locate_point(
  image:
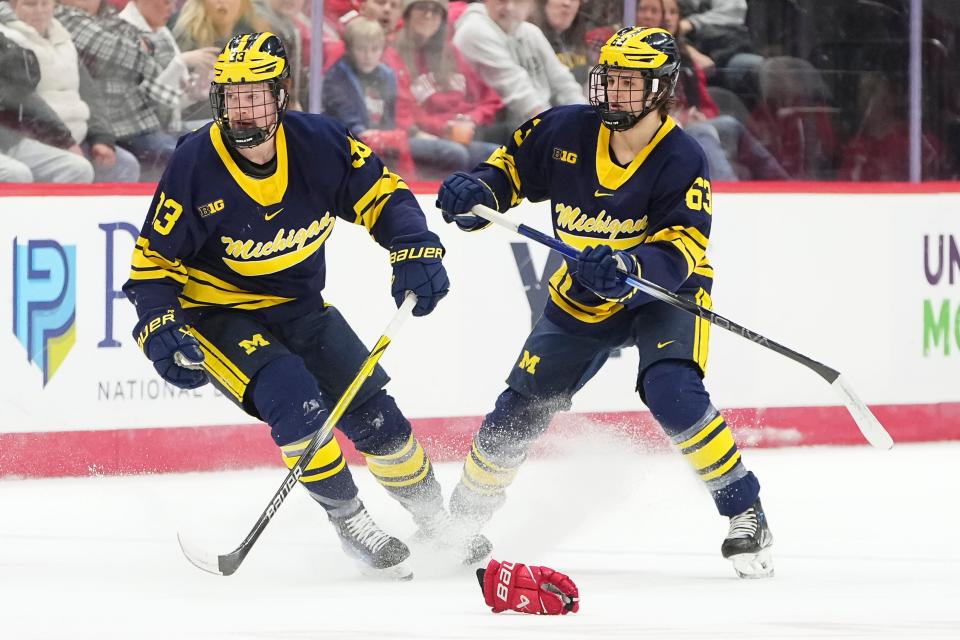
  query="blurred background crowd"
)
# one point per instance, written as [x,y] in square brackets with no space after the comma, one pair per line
[100,90]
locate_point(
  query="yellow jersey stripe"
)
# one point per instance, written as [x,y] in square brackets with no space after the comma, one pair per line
[369,207]
[506,163]
[219,355]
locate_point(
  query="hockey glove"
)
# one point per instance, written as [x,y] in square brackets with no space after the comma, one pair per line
[513,586]
[599,270]
[174,352]
[458,194]
[417,267]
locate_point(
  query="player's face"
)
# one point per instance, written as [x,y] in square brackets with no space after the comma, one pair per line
[560,13]
[36,13]
[366,55]
[508,14]
[425,18]
[625,90]
[649,13]
[250,105]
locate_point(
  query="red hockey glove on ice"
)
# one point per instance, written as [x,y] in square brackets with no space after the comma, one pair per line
[514,586]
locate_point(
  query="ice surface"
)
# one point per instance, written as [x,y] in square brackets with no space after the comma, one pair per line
[866,547]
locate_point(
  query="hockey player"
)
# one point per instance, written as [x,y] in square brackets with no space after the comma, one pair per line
[630,190]
[227,277]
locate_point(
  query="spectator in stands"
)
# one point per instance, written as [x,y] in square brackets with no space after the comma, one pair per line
[732,152]
[181,69]
[794,120]
[386,12]
[515,58]
[452,101]
[65,85]
[211,23]
[568,30]
[650,13]
[281,17]
[722,44]
[880,148]
[34,144]
[368,97]
[119,60]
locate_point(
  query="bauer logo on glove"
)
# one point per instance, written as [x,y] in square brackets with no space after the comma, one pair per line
[514,586]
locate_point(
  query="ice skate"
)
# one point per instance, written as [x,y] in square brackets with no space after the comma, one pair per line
[376,552]
[445,533]
[748,543]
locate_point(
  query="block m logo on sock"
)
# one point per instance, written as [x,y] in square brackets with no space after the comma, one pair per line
[45,302]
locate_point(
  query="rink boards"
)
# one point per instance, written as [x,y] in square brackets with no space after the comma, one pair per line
[867,282]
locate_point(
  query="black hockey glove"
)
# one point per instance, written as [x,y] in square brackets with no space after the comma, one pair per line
[599,270]
[458,194]
[175,353]
[417,267]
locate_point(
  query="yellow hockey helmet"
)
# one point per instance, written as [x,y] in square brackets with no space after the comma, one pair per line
[250,58]
[652,53]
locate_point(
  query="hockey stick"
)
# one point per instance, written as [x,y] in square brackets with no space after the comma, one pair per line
[868,424]
[227,564]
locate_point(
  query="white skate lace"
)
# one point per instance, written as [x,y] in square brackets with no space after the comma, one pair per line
[365,531]
[743,525]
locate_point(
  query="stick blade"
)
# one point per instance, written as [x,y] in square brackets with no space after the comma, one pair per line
[206,561]
[868,424]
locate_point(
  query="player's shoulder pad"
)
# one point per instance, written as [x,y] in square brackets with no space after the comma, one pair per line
[194,149]
[685,160]
[568,115]
[310,132]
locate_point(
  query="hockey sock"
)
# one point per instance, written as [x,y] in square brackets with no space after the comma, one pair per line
[497,452]
[394,456]
[674,392]
[286,396]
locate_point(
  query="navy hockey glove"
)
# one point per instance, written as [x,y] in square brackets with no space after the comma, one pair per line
[174,352]
[598,270]
[458,194]
[417,267]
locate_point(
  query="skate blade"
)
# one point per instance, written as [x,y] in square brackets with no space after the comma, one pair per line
[751,566]
[401,572]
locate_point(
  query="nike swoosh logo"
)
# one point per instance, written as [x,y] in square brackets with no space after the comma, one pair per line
[661,345]
[601,194]
[271,216]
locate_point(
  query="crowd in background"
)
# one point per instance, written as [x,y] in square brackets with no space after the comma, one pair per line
[100,90]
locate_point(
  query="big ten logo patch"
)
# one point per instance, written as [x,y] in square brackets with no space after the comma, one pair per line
[257,340]
[210,208]
[45,302]
[564,156]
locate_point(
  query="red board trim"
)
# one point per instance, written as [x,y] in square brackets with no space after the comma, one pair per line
[181,449]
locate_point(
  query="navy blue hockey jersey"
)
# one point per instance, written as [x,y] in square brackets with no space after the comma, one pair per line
[216,237]
[658,208]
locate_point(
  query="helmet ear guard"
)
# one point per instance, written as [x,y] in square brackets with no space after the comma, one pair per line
[249,59]
[651,54]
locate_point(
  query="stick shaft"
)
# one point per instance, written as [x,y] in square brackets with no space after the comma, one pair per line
[871,428]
